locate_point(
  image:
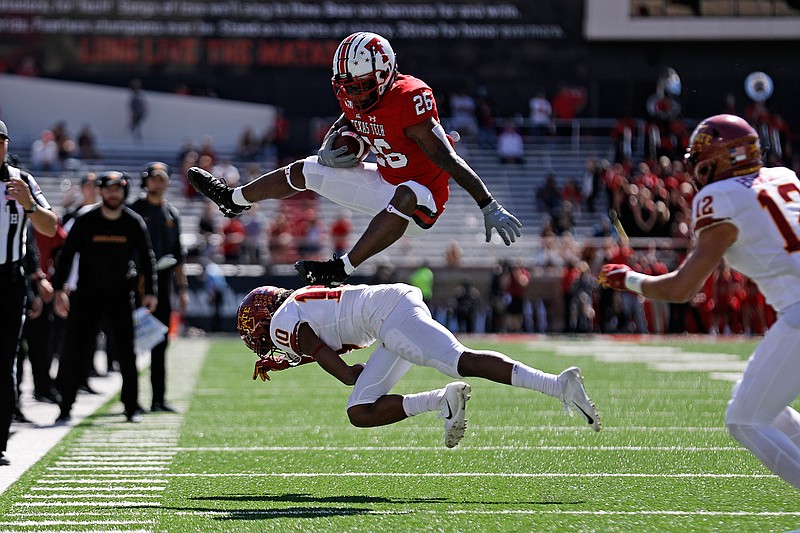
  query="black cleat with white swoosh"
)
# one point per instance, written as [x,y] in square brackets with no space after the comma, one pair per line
[216,190]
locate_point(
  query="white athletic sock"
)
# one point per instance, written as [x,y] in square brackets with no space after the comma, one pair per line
[348,266]
[534,379]
[422,402]
[239,199]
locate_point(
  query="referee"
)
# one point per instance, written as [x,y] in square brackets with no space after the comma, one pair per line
[23,201]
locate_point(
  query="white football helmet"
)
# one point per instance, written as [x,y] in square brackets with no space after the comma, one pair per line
[363,70]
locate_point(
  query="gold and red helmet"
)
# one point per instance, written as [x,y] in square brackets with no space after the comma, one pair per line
[722,147]
[255,315]
[363,70]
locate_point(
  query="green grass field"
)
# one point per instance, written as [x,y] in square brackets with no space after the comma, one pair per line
[281,455]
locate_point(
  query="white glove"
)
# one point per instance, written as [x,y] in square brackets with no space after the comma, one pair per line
[507,226]
[336,158]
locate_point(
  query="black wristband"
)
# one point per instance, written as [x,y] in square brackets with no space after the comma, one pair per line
[485,202]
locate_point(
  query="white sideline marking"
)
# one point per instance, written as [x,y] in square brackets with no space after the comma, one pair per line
[62,478]
[293,512]
[91,495]
[540,429]
[114,469]
[467,474]
[39,523]
[88,504]
[109,462]
[95,490]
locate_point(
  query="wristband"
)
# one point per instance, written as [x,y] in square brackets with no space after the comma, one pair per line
[485,202]
[633,281]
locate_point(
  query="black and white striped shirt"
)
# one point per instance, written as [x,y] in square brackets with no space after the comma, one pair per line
[13,220]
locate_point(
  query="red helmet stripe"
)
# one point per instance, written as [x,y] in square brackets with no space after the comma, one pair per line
[344,49]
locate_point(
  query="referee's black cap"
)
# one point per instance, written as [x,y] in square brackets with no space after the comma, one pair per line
[3,130]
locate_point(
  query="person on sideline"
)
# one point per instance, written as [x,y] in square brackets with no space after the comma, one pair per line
[163,222]
[108,237]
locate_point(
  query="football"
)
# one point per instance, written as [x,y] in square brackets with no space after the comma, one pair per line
[355,144]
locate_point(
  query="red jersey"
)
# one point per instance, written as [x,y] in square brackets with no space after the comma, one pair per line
[407,102]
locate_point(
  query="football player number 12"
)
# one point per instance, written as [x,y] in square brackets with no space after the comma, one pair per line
[778,216]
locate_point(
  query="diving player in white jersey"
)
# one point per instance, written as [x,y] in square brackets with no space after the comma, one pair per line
[748,215]
[287,327]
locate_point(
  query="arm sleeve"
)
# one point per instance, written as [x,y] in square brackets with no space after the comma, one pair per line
[36,192]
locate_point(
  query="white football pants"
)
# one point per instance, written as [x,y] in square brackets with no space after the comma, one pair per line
[362,188]
[758,414]
[409,336]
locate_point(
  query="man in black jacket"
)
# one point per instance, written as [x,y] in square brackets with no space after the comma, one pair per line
[109,238]
[164,225]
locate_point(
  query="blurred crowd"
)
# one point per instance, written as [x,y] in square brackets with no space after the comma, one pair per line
[626,198]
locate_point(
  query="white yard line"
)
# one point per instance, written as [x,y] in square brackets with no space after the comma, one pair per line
[304,512]
[227,449]
[721,366]
[466,474]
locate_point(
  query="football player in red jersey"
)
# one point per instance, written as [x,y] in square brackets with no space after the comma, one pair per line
[405,191]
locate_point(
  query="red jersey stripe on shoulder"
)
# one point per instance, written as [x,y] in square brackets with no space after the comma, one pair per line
[707,222]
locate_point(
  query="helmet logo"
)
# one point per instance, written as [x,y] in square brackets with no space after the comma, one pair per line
[738,154]
[375,45]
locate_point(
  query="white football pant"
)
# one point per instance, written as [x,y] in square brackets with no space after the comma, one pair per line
[758,414]
[362,188]
[409,336]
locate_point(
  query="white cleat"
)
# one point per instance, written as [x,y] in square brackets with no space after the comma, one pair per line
[453,406]
[574,397]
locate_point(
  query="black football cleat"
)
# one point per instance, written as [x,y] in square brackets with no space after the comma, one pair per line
[162,407]
[329,273]
[216,190]
[134,416]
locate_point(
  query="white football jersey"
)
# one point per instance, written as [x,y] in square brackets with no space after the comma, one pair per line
[345,318]
[765,207]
